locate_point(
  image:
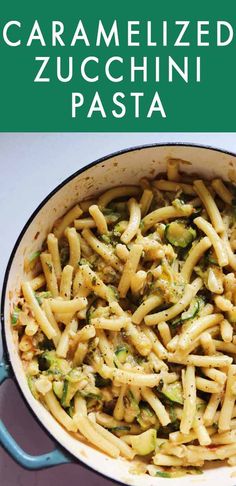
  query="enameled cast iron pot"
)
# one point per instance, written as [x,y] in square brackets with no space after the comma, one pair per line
[125,167]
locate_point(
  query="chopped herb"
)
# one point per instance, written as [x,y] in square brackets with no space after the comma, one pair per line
[94,280]
[49,266]
[71,409]
[34,255]
[213,261]
[89,314]
[38,298]
[209,258]
[176,322]
[106,239]
[15,316]
[163,474]
[42,295]
[114,291]
[83,261]
[118,229]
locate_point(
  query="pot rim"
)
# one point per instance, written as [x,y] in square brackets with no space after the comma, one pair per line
[6,356]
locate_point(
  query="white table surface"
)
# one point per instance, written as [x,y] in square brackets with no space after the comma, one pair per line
[31,165]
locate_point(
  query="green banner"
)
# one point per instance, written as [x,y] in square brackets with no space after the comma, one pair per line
[118,66]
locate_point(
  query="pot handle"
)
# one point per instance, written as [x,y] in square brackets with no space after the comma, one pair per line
[54,458]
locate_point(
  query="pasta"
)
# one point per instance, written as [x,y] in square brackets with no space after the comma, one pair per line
[189,390]
[126,322]
[52,243]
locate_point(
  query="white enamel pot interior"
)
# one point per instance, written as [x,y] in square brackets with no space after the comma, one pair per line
[121,168]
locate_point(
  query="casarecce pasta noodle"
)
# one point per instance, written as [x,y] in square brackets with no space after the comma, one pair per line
[125,322]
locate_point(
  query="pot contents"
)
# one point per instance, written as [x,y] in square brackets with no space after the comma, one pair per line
[126,322]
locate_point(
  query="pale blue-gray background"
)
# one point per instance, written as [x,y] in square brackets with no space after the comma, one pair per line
[31,165]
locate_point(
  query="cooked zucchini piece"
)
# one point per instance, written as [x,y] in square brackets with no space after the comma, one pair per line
[192,311]
[75,375]
[114,294]
[57,387]
[194,308]
[144,443]
[133,403]
[202,299]
[147,417]
[71,386]
[89,314]
[121,353]
[71,409]
[173,392]
[176,322]
[91,392]
[50,362]
[69,391]
[179,235]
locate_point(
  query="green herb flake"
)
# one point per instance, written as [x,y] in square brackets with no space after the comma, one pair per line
[34,255]
[42,295]
[114,291]
[15,316]
[163,474]
[141,226]
[83,261]
[106,239]
[49,266]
